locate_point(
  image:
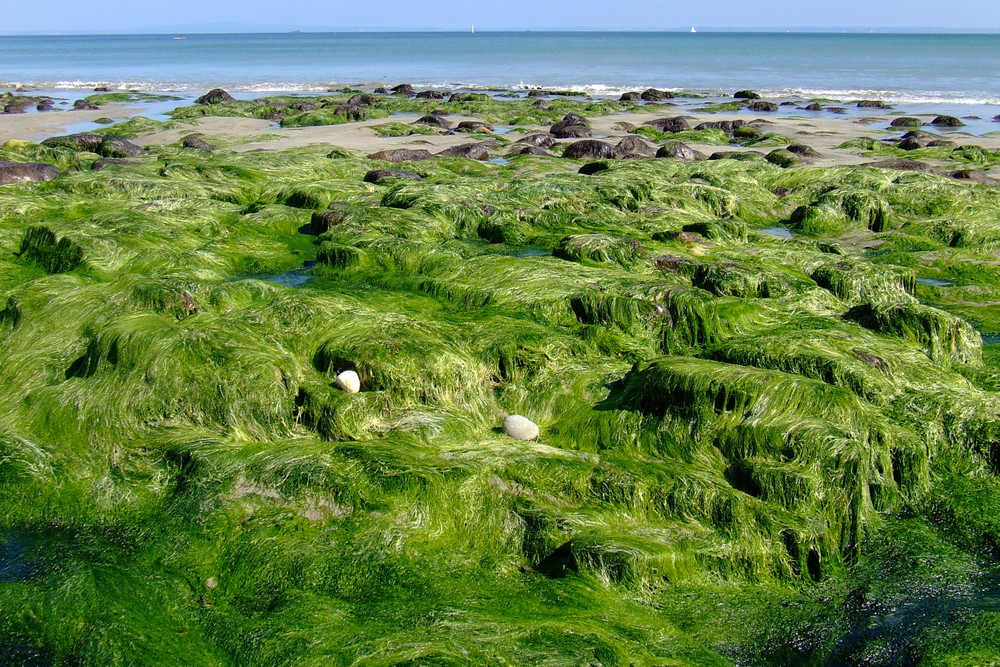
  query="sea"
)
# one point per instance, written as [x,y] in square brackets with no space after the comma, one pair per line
[931,73]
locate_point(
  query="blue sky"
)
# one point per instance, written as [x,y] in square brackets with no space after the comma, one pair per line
[116,15]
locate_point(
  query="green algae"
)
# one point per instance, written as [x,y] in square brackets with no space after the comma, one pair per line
[752,450]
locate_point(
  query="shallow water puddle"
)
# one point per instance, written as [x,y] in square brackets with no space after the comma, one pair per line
[530,252]
[502,129]
[296,278]
[934,282]
[780,232]
[16,563]
[499,160]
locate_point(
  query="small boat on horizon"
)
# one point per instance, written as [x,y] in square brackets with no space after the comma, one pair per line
[693,30]
[180,37]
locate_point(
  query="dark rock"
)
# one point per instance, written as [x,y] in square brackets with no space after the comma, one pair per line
[571,131]
[198,142]
[906,121]
[973,176]
[539,139]
[381,90]
[803,151]
[401,155]
[470,151]
[84,105]
[910,144]
[403,89]
[902,165]
[633,147]
[727,126]
[623,126]
[303,106]
[630,97]
[746,95]
[947,121]
[559,563]
[377,176]
[215,96]
[434,120]
[873,104]
[540,104]
[15,107]
[537,92]
[430,95]
[115,146]
[996,119]
[672,263]
[26,172]
[589,149]
[941,143]
[761,105]
[527,150]
[593,168]
[467,97]
[322,221]
[45,106]
[654,95]
[102,89]
[920,135]
[813,107]
[77,142]
[474,126]
[674,124]
[837,110]
[680,151]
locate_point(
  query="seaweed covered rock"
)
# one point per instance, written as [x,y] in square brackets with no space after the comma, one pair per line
[215,96]
[520,428]
[598,248]
[77,142]
[322,221]
[26,172]
[84,105]
[117,147]
[430,95]
[762,105]
[362,99]
[197,142]
[527,150]
[947,121]
[906,121]
[946,337]
[379,176]
[746,95]
[473,126]
[630,97]
[56,255]
[403,89]
[782,158]
[401,155]
[873,104]
[727,126]
[803,151]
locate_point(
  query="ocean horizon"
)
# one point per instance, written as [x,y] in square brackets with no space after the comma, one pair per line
[898,67]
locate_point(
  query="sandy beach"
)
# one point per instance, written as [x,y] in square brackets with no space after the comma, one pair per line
[823,132]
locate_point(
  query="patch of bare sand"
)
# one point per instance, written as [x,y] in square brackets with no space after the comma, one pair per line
[38,126]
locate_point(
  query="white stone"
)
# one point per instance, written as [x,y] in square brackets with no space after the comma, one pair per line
[520,428]
[349,382]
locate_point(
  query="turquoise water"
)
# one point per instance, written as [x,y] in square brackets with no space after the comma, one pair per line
[940,68]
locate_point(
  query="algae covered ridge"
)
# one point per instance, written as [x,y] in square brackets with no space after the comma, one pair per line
[768,401]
